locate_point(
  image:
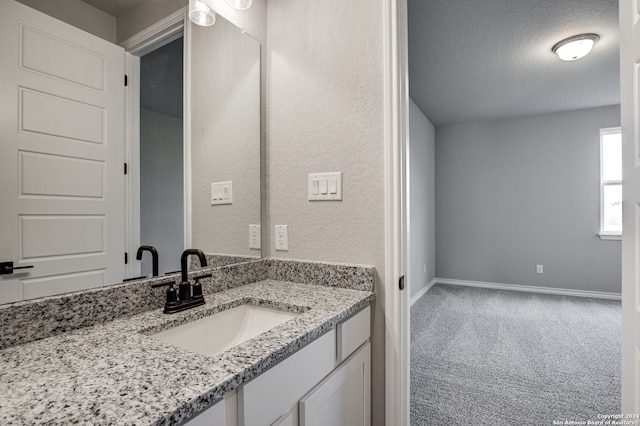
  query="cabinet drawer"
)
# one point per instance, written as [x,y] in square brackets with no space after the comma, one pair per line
[352,333]
[264,399]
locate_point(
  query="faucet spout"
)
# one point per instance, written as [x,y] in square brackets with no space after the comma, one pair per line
[154,256]
[183,261]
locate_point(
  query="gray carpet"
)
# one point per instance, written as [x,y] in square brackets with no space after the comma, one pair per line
[496,357]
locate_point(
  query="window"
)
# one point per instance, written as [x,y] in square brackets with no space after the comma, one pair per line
[610,183]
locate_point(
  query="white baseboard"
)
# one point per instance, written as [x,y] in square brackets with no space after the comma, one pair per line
[422,292]
[531,289]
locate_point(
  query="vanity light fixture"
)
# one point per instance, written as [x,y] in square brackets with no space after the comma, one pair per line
[201,14]
[239,4]
[575,47]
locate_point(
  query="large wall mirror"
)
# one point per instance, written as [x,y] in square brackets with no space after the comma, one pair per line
[193,153]
[222,169]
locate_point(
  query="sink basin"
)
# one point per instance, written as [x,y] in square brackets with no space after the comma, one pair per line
[219,332]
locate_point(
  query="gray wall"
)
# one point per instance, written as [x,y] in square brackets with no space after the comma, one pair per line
[514,193]
[422,237]
[325,113]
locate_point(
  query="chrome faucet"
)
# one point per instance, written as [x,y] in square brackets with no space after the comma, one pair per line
[154,256]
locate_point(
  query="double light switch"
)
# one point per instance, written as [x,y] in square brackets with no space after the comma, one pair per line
[325,186]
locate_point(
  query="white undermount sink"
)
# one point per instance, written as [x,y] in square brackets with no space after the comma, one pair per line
[219,332]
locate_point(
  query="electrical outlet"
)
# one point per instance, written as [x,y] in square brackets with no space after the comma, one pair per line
[539,269]
[254,237]
[282,238]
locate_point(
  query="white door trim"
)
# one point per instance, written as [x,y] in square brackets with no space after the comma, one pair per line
[131,157]
[160,33]
[396,302]
[630,275]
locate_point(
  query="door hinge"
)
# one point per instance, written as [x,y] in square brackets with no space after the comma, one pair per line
[401,283]
[126,80]
[126,168]
[126,258]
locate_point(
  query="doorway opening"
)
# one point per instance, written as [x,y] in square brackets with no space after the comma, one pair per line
[161,155]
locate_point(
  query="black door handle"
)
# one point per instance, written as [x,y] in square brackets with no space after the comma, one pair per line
[8,268]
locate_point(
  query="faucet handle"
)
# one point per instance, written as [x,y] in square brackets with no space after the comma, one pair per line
[197,287]
[172,294]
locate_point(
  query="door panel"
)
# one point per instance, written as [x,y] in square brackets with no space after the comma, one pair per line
[55,284]
[55,116]
[58,58]
[61,157]
[57,176]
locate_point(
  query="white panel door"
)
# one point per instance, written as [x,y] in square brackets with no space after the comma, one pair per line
[61,156]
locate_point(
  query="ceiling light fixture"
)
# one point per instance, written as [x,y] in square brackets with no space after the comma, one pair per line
[201,14]
[575,47]
[239,4]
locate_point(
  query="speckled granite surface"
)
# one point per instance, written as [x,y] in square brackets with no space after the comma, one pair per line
[114,374]
[355,277]
[31,320]
[24,322]
[218,260]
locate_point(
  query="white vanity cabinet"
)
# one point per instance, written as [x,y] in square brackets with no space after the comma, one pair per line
[222,413]
[343,398]
[328,382]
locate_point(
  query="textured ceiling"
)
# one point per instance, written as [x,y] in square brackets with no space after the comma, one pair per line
[489,59]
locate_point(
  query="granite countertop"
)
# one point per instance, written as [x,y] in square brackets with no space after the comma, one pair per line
[114,373]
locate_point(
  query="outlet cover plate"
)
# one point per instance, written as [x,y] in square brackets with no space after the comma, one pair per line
[255,237]
[282,238]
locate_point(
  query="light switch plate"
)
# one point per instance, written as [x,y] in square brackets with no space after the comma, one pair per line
[325,186]
[222,193]
[282,238]
[254,237]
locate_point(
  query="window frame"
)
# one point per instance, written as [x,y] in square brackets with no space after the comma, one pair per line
[607,235]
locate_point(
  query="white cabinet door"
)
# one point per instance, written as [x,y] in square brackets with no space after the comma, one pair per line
[212,416]
[264,399]
[344,397]
[288,419]
[222,413]
[61,156]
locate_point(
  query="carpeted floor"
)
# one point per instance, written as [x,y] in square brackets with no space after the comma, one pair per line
[496,357]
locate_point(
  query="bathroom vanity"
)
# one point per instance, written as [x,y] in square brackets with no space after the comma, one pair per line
[311,369]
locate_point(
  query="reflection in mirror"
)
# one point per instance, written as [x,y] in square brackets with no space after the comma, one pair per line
[69,142]
[225,147]
[225,141]
[161,159]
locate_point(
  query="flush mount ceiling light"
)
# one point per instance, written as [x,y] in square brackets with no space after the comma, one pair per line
[575,47]
[201,14]
[239,4]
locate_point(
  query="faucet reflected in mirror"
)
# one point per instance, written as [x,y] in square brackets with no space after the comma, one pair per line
[154,256]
